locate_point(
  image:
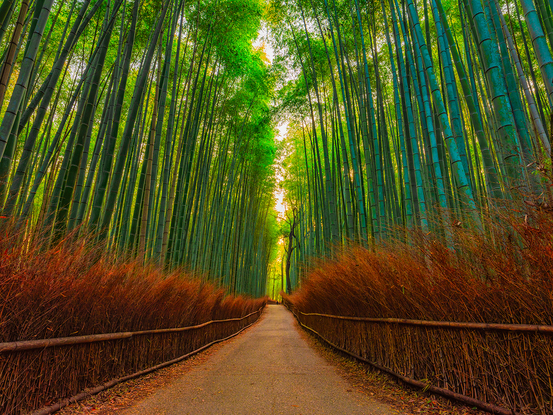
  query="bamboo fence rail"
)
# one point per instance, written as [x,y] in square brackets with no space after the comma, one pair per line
[43,372]
[445,324]
[501,368]
[68,341]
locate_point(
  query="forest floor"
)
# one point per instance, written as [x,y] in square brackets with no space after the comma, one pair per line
[346,385]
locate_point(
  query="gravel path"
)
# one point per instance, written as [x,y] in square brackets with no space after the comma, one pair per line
[268,370]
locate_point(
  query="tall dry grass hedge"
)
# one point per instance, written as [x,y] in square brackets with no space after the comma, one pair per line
[74,289]
[503,277]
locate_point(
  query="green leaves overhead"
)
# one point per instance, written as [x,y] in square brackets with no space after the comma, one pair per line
[233,25]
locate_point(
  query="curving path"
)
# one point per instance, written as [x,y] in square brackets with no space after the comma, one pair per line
[270,369]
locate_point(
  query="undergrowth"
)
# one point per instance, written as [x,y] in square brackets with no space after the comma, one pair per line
[75,288]
[501,275]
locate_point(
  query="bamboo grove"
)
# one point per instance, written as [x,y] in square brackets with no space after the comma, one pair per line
[144,123]
[411,115]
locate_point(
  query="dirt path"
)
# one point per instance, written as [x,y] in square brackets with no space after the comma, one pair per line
[269,370]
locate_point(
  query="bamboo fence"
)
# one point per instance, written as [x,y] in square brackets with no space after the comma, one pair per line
[46,372]
[500,368]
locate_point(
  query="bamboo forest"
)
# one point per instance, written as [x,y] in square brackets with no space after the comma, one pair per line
[381,167]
